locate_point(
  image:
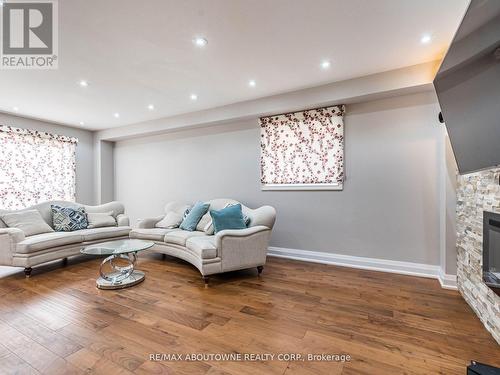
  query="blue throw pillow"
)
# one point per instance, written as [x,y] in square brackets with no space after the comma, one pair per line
[228,218]
[68,219]
[194,216]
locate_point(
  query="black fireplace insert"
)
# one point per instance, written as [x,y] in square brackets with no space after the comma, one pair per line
[491,249]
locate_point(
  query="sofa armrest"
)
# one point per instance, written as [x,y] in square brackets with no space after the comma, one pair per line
[242,248]
[9,238]
[122,220]
[265,215]
[149,222]
[219,236]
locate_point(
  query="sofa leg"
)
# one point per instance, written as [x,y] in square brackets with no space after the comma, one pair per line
[259,269]
[65,261]
[27,271]
[163,256]
[205,280]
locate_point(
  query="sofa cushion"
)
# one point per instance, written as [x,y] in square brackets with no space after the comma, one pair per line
[29,221]
[94,234]
[203,246]
[153,234]
[170,220]
[48,240]
[204,223]
[179,236]
[101,219]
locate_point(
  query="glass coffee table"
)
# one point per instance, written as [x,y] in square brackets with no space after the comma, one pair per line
[117,270]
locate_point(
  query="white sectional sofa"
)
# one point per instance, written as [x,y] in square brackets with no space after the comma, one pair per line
[16,249]
[227,250]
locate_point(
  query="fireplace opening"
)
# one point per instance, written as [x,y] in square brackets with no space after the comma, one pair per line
[491,249]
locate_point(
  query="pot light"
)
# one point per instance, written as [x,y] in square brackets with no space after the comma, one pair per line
[252,83]
[82,123]
[325,64]
[426,39]
[116,115]
[15,109]
[83,83]
[193,97]
[200,42]
[151,107]
[1,3]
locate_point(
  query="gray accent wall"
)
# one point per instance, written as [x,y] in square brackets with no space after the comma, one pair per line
[103,170]
[389,208]
[84,151]
[449,210]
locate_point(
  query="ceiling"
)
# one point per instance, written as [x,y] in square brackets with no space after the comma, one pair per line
[136,53]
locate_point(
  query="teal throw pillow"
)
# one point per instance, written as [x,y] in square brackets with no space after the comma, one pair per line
[230,217]
[194,216]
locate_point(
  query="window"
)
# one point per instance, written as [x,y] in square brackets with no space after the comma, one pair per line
[35,167]
[303,150]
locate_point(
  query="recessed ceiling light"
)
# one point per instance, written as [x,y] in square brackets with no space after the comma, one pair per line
[151,107]
[325,64]
[82,123]
[426,39]
[84,83]
[116,115]
[16,109]
[1,3]
[193,97]
[200,42]
[252,83]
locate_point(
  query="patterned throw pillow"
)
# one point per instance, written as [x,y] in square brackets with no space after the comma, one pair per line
[68,219]
[186,212]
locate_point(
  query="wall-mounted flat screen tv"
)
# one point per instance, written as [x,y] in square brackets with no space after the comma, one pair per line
[468,88]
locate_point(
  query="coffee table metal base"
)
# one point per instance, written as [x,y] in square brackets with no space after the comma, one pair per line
[118,271]
[120,276]
[135,278]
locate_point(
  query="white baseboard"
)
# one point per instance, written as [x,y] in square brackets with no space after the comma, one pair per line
[373,264]
[447,281]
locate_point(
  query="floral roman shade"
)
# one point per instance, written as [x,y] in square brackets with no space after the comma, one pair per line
[35,167]
[303,149]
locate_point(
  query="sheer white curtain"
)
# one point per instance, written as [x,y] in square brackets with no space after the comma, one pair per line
[35,167]
[303,150]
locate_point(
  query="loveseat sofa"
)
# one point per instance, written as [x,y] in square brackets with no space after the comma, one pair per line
[227,250]
[17,249]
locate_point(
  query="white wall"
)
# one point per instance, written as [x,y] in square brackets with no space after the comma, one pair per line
[84,151]
[389,207]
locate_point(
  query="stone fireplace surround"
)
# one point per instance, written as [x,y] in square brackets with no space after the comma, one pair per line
[477,192]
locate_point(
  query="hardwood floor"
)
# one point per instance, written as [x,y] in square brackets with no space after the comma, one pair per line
[57,322]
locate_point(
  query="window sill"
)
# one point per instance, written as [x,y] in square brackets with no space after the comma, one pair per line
[298,187]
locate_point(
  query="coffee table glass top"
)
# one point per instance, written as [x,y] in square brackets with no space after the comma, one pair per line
[117,247]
